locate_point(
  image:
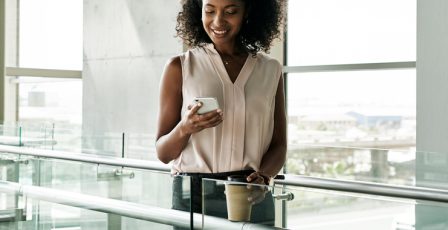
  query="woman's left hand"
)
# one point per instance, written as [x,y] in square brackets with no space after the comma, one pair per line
[258,191]
[257,178]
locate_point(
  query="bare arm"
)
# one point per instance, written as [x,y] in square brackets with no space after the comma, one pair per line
[173,129]
[274,159]
[170,138]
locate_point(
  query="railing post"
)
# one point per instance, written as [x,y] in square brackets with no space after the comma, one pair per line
[2,58]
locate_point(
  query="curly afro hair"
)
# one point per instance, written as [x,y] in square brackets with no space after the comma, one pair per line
[265,17]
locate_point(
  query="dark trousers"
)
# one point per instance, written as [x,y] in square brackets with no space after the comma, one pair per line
[215,199]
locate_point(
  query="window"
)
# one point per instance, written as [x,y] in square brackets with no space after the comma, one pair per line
[47,69]
[351,78]
[50,35]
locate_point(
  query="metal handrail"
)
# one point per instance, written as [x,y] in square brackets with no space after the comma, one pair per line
[125,208]
[87,158]
[411,192]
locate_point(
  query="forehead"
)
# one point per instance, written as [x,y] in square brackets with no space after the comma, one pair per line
[222,3]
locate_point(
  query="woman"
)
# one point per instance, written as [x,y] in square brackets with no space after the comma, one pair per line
[247,135]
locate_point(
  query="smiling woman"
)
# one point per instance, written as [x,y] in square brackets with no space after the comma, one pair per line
[262,23]
[247,134]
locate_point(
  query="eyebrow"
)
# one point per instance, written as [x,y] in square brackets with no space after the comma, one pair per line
[228,6]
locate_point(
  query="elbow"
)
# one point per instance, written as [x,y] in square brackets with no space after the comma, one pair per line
[163,155]
[163,159]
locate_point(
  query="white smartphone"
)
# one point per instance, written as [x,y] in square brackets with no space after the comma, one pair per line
[208,104]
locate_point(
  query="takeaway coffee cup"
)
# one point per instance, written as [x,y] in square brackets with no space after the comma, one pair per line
[238,206]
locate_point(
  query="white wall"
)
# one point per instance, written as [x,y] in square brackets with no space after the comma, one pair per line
[126,45]
[432,106]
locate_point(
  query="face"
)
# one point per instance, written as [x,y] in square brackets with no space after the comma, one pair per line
[222,19]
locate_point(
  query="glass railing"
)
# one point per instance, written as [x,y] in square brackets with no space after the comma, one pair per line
[293,207]
[391,166]
[133,185]
[66,137]
[114,177]
[30,135]
[10,135]
[44,208]
[130,184]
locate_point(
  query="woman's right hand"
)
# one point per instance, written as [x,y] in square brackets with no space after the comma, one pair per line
[192,122]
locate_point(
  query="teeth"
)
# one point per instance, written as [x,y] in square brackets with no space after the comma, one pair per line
[220,31]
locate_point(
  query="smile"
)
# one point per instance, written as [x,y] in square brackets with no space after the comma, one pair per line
[219,32]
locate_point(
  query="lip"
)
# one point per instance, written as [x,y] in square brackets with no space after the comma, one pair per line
[220,32]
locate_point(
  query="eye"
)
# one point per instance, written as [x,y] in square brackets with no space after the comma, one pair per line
[209,10]
[231,12]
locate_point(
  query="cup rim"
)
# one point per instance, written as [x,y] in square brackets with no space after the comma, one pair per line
[237,178]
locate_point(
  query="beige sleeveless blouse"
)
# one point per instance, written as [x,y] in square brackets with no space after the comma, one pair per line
[240,141]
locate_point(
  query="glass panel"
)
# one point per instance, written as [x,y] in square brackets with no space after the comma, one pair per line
[110,144]
[38,135]
[43,215]
[135,185]
[321,209]
[359,109]
[360,164]
[351,31]
[231,205]
[142,187]
[66,137]
[140,146]
[51,34]
[50,100]
[10,134]
[314,209]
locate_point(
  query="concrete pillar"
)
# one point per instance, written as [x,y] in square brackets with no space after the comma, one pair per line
[432,93]
[126,45]
[432,106]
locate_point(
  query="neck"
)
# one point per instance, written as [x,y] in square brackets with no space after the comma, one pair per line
[229,50]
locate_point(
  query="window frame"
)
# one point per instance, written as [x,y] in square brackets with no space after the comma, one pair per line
[11,71]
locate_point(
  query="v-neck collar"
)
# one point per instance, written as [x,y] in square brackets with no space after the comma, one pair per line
[244,73]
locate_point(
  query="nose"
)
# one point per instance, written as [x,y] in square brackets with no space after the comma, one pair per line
[219,19]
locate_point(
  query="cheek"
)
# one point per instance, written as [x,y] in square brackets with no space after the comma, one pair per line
[237,24]
[205,25]
[205,20]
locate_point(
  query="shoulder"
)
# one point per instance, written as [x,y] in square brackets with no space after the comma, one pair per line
[173,68]
[174,62]
[269,62]
[266,59]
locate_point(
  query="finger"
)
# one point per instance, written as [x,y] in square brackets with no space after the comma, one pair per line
[253,176]
[257,199]
[211,114]
[214,119]
[216,123]
[256,195]
[195,108]
[207,123]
